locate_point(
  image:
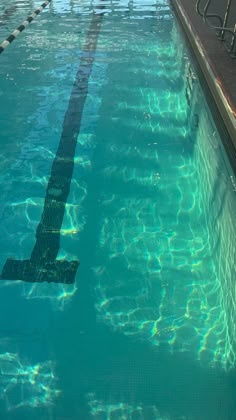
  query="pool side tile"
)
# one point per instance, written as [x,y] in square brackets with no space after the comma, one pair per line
[218,67]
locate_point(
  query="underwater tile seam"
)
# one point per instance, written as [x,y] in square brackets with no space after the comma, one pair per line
[43,265]
[20,28]
[218,68]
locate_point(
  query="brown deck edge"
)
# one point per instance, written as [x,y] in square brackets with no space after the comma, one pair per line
[226,108]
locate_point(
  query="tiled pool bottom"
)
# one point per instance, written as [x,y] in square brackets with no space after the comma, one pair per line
[146,332]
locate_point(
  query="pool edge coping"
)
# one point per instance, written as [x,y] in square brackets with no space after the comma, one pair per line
[226,108]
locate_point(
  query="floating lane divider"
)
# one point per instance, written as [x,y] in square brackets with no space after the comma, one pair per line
[20,28]
[43,265]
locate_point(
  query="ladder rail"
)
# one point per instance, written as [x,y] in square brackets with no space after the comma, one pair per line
[222,29]
[201,13]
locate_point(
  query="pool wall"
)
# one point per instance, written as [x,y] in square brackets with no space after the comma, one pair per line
[217,66]
[216,178]
[217,196]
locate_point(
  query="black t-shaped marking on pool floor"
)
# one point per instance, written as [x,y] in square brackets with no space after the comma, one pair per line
[43,265]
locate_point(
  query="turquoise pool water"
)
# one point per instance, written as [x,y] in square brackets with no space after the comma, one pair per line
[147,331]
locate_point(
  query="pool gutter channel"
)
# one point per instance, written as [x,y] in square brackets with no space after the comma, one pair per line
[223,98]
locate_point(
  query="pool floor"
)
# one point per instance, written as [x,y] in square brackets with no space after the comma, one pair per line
[111,157]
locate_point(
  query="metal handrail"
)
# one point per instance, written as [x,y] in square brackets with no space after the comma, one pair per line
[226,15]
[208,16]
[222,29]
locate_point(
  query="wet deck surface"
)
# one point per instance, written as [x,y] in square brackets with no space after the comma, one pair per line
[222,65]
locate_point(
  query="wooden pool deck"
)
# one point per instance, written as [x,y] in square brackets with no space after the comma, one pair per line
[218,67]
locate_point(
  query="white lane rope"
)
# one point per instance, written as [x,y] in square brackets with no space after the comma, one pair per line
[20,28]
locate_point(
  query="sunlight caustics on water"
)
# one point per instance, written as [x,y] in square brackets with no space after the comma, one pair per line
[147,331]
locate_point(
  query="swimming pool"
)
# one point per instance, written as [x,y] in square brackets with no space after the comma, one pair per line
[147,329]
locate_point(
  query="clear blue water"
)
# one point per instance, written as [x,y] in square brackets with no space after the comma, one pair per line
[147,331]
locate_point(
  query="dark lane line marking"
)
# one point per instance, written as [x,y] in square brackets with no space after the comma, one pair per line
[7,14]
[20,28]
[43,265]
